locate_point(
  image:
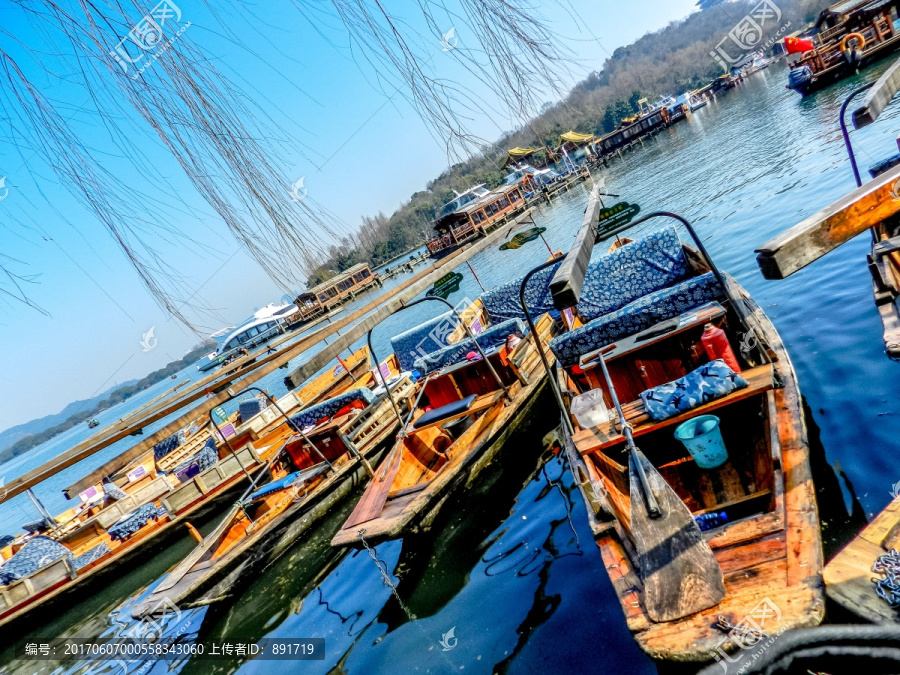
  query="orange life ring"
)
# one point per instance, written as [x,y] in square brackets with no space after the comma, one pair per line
[858,36]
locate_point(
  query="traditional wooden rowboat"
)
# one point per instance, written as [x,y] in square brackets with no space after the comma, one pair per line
[463,410]
[758,563]
[305,482]
[850,579]
[874,207]
[141,506]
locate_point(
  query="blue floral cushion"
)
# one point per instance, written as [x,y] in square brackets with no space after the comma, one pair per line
[35,554]
[252,407]
[93,555]
[330,406]
[502,302]
[631,272]
[198,462]
[167,445]
[710,381]
[130,523]
[113,491]
[423,339]
[635,317]
[490,337]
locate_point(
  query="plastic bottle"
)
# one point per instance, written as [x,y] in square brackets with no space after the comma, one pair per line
[708,521]
[716,344]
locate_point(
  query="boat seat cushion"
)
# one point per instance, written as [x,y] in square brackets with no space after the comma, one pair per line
[274,486]
[423,339]
[639,315]
[282,483]
[502,302]
[445,411]
[252,407]
[490,337]
[93,555]
[35,554]
[327,408]
[707,383]
[884,165]
[167,445]
[631,272]
[130,523]
[198,462]
[113,491]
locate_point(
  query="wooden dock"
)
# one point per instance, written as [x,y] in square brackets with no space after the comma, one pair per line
[848,577]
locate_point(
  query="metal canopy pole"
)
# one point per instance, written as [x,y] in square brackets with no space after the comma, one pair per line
[553,383]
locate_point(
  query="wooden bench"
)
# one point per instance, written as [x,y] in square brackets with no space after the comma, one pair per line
[759,380]
[479,404]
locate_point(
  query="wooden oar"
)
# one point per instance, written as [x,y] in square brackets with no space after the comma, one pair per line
[677,567]
[372,502]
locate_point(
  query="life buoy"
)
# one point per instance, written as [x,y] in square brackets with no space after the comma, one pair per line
[847,38]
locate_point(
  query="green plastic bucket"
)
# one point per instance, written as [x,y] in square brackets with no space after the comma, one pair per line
[703,439]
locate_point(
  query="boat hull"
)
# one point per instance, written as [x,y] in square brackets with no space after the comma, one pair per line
[238,566]
[844,69]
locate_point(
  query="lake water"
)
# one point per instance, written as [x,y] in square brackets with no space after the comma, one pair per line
[510,566]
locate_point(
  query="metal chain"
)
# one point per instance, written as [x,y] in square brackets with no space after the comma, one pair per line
[748,635]
[385,577]
[888,587]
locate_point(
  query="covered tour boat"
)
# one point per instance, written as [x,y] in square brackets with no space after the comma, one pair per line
[852,34]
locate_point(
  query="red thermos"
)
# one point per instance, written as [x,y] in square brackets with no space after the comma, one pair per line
[717,347]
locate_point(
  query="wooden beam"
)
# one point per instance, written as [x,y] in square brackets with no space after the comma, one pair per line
[569,278]
[879,96]
[263,367]
[834,225]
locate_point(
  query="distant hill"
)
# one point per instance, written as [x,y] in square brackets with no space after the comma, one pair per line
[79,411]
[36,426]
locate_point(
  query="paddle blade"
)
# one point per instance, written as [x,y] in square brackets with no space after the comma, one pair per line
[677,567]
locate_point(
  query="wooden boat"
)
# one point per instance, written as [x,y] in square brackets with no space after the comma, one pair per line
[852,35]
[874,206]
[850,577]
[323,298]
[640,316]
[141,505]
[472,214]
[458,421]
[302,488]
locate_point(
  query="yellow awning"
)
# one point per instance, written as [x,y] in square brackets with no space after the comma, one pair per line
[575,137]
[522,152]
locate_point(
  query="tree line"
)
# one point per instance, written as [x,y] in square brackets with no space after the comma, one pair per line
[666,62]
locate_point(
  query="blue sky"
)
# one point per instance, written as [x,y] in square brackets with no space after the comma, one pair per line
[360,151]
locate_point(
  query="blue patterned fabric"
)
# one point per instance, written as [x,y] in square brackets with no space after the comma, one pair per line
[252,407]
[710,381]
[198,462]
[631,272]
[41,525]
[167,445]
[274,486]
[330,406]
[128,524]
[34,555]
[502,302]
[425,338]
[491,337]
[635,317]
[113,491]
[93,555]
